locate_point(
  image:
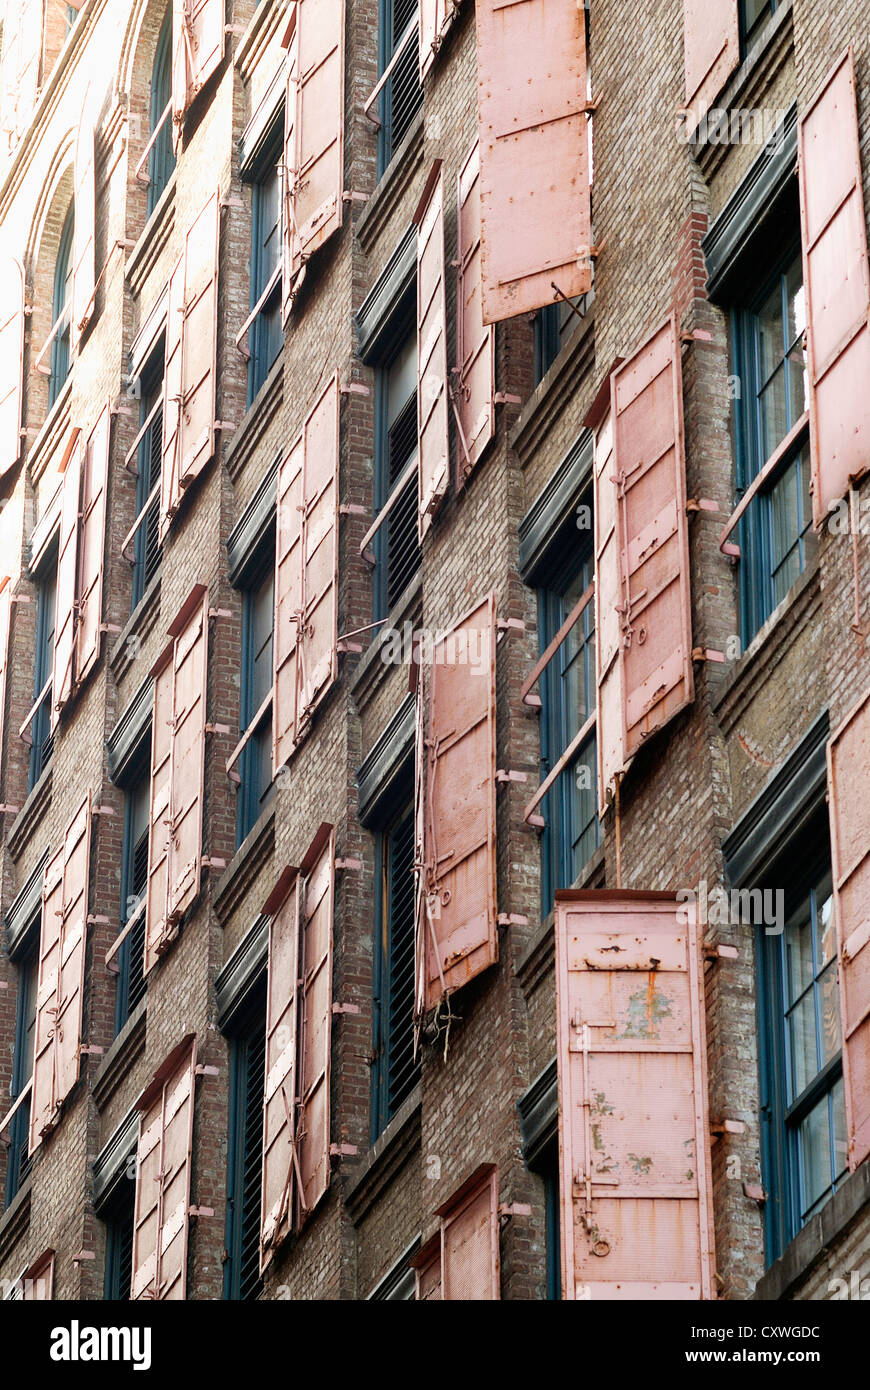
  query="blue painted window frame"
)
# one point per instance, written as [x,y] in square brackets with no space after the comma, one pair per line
[147,551]
[266,334]
[393,945]
[119,1218]
[18,1164]
[42,747]
[751,23]
[131,982]
[161,160]
[402,95]
[384,598]
[60,347]
[255,792]
[244,1152]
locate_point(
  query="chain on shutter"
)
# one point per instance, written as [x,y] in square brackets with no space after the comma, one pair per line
[162,1219]
[63,657]
[534,161]
[711,41]
[89,584]
[432,433]
[650,469]
[198,48]
[837,285]
[61,973]
[634,1132]
[457,899]
[475,340]
[608,629]
[11,361]
[280,1159]
[848,761]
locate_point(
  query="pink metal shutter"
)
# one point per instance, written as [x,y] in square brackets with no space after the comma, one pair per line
[306,573]
[289,238]
[837,286]
[5,615]
[190,662]
[314,160]
[534,161]
[436,17]
[432,434]
[428,1272]
[475,340]
[459,888]
[469,1245]
[11,360]
[315,1024]
[61,973]
[634,1131]
[189,389]
[162,1210]
[198,47]
[63,673]
[650,469]
[711,35]
[608,628]
[280,1159]
[848,761]
[84,229]
[22,54]
[37,1282]
[160,811]
[89,585]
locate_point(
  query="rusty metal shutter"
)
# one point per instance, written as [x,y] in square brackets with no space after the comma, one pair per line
[306,573]
[11,361]
[427,1266]
[457,932]
[634,1130]
[433,444]
[162,1213]
[156,928]
[84,229]
[313,137]
[63,657]
[315,1022]
[5,622]
[475,340]
[848,761]
[197,49]
[608,627]
[650,469]
[60,977]
[711,40]
[190,375]
[469,1242]
[436,17]
[89,582]
[37,1282]
[534,160]
[837,286]
[280,1159]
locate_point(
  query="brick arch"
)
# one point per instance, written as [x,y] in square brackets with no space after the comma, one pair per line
[135,69]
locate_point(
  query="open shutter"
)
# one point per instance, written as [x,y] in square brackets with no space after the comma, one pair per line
[436,17]
[475,340]
[650,470]
[190,375]
[314,135]
[432,436]
[427,1266]
[711,37]
[67,573]
[837,285]
[634,1131]
[608,629]
[61,973]
[84,229]
[89,585]
[37,1282]
[19,78]
[5,620]
[306,572]
[469,1244]
[198,48]
[848,762]
[280,1160]
[162,1209]
[315,1023]
[159,812]
[534,160]
[459,928]
[11,360]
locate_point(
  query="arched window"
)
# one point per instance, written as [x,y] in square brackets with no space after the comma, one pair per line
[162,158]
[62,289]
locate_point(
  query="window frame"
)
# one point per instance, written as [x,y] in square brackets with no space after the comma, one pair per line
[382,1112]
[61,294]
[40,725]
[138,777]
[161,158]
[119,1217]
[387,42]
[748,36]
[244,1034]
[266,166]
[251,800]
[402,330]
[152,379]
[27,966]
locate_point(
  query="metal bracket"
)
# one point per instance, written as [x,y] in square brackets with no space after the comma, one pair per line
[220,613]
[352,509]
[209,861]
[348,863]
[217,728]
[510,625]
[20,598]
[102,810]
[96,919]
[203,1070]
[343,1150]
[9,810]
[231,201]
[514,1209]
[115,409]
[110,627]
[706,654]
[342,645]
[226,426]
[200,1211]
[352,197]
[721,953]
[82,1256]
[718,1127]
[506,398]
[346,1009]
[755,1193]
[697,335]
[511,919]
[91,1050]
[702,504]
[503,776]
[354,388]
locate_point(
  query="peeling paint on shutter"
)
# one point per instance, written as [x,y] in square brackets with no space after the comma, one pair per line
[608,628]
[11,361]
[63,658]
[848,764]
[837,286]
[280,1160]
[198,48]
[534,163]
[89,584]
[634,1136]
[306,573]
[61,973]
[190,375]
[711,37]
[475,340]
[458,869]
[162,1212]
[436,17]
[469,1243]
[313,137]
[432,432]
[650,469]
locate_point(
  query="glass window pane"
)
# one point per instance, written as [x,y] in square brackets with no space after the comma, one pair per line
[771,334]
[826,944]
[773,414]
[814,1140]
[829,1014]
[803,1054]
[798,955]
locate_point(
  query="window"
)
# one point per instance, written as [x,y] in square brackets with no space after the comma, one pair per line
[775,533]
[548,1168]
[554,325]
[754,14]
[803,1115]
[568,697]
[256,788]
[402,95]
[134,883]
[161,160]
[147,553]
[40,726]
[266,335]
[395,1071]
[18,1164]
[119,1216]
[245,1156]
[396,546]
[60,347]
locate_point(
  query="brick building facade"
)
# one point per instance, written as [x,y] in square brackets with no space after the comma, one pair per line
[350,676]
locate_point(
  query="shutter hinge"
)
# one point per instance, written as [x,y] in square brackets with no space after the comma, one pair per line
[755,1193]
[230,200]
[97,919]
[354,388]
[202,1070]
[506,398]
[20,598]
[9,810]
[702,504]
[217,728]
[352,509]
[512,919]
[220,613]
[514,1209]
[82,1256]
[211,861]
[503,776]
[102,810]
[343,1150]
[510,625]
[346,1009]
[696,335]
[237,29]
[91,1050]
[109,627]
[200,1211]
[706,654]
[348,863]
[721,953]
[351,197]
[116,409]
[235,776]
[718,1127]
[225,426]
[590,107]
[342,645]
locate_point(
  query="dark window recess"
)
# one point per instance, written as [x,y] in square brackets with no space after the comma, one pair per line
[245,1157]
[402,96]
[119,1218]
[147,553]
[18,1163]
[549,1171]
[395,1072]
[554,325]
[161,160]
[754,14]
[40,727]
[60,347]
[256,788]
[402,544]
[131,955]
[266,334]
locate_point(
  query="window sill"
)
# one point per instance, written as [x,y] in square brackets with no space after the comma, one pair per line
[560,384]
[155,234]
[120,1057]
[257,846]
[51,433]
[371,671]
[138,625]
[248,437]
[819,1239]
[16,1218]
[387,1156]
[264,22]
[31,813]
[539,959]
[392,185]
